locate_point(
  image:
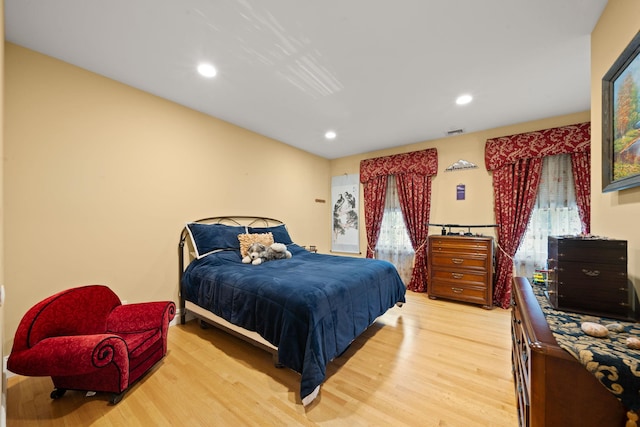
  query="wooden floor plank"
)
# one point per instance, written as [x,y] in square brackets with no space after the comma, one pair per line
[428,363]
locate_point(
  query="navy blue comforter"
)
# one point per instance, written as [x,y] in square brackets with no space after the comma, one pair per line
[311,306]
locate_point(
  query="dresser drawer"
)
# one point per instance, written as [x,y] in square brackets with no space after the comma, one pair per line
[460,277]
[588,250]
[594,298]
[459,260]
[618,309]
[468,245]
[462,292]
[592,274]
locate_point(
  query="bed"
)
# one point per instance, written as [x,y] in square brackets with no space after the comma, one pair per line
[305,310]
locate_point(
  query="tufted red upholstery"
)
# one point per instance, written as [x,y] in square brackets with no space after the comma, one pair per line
[85,339]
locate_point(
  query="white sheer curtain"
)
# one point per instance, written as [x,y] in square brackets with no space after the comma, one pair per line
[554,214]
[394,244]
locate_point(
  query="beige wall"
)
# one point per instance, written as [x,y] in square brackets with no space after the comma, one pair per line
[3,379]
[613,214]
[477,208]
[100,178]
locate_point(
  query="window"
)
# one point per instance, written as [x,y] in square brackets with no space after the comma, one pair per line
[555,213]
[394,244]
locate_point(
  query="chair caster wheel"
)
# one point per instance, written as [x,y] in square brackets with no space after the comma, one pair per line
[57,393]
[204,325]
[115,398]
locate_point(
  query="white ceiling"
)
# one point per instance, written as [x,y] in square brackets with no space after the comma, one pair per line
[380,73]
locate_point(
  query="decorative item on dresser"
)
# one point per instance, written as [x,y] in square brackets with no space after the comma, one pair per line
[589,275]
[461,269]
[552,387]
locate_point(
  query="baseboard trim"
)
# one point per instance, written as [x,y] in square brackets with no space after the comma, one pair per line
[5,371]
[176,320]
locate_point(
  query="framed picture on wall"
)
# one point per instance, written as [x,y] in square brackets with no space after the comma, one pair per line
[345,199]
[621,121]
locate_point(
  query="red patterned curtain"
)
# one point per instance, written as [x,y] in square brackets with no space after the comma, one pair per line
[414,192]
[375,190]
[413,173]
[516,162]
[581,169]
[515,187]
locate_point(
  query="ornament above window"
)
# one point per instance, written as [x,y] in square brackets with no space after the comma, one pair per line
[461,164]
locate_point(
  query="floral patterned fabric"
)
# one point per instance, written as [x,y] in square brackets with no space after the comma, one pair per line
[414,192]
[515,187]
[608,359]
[85,339]
[375,191]
[516,162]
[413,173]
[423,162]
[561,140]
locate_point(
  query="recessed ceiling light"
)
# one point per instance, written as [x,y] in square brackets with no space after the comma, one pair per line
[330,135]
[463,99]
[207,70]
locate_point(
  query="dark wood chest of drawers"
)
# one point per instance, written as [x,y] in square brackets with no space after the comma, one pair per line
[590,276]
[461,269]
[552,387]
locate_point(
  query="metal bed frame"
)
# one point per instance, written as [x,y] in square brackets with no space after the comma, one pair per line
[205,316]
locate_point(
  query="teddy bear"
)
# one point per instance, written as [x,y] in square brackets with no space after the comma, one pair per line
[259,253]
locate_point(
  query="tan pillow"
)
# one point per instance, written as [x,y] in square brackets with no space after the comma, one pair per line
[247,240]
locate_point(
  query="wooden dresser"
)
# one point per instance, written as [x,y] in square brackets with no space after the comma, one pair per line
[589,276]
[552,387]
[461,269]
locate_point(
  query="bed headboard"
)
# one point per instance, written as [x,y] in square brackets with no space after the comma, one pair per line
[238,220]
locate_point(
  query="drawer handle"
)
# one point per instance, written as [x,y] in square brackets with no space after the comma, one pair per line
[591,273]
[457,260]
[457,290]
[457,275]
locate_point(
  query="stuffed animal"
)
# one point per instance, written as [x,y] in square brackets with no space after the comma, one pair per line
[259,253]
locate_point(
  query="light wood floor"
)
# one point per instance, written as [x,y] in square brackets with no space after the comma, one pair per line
[428,363]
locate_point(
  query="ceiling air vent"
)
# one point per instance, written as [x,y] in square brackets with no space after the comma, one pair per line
[455,132]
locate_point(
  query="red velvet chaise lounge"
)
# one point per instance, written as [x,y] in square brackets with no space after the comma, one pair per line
[85,339]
